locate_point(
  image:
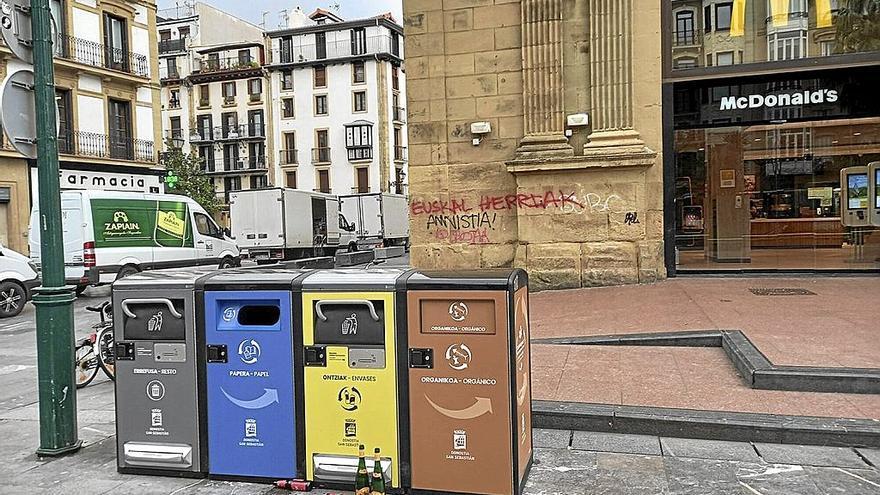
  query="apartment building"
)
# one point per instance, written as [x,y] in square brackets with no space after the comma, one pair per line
[107,88]
[213,87]
[337,103]
[724,32]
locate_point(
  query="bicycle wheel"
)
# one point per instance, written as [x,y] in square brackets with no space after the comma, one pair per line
[106,352]
[86,364]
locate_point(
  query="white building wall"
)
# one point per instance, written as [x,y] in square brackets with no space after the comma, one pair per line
[144,122]
[140,43]
[87,25]
[92,114]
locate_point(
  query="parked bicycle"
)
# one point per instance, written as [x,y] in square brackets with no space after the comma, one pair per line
[96,350]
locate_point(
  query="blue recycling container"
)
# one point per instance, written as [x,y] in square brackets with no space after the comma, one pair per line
[250,384]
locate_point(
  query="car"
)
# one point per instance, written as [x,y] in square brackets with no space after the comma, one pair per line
[18,277]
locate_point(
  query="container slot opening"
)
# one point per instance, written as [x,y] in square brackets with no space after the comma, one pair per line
[259,316]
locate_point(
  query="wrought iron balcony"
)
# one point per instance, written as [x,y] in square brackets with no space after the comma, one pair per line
[172,46]
[254,164]
[399,114]
[168,74]
[687,38]
[201,134]
[97,55]
[400,153]
[81,143]
[240,131]
[289,157]
[207,65]
[321,155]
[177,12]
[289,54]
[174,134]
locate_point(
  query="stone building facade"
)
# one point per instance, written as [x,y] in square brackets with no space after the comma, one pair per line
[575,203]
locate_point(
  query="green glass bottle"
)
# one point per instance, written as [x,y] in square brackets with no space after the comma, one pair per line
[362,480]
[377,487]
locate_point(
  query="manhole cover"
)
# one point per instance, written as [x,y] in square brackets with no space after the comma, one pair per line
[783,291]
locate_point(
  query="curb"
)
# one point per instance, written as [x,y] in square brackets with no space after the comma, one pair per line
[706,425]
[753,366]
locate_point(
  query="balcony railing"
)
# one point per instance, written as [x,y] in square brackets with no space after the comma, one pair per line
[240,131]
[399,114]
[360,153]
[226,64]
[173,104]
[287,54]
[400,153]
[201,134]
[687,38]
[97,55]
[237,166]
[168,74]
[178,12]
[81,143]
[174,134]
[792,16]
[172,46]
[289,157]
[320,155]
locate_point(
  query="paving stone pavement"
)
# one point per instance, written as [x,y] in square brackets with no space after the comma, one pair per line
[565,462]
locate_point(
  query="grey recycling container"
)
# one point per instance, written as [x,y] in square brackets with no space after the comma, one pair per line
[159,425]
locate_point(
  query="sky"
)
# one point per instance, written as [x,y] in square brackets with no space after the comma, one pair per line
[252,10]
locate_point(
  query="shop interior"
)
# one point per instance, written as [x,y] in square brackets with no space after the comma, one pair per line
[769,196]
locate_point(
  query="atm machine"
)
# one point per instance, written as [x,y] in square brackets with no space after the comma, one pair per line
[854,197]
[874,193]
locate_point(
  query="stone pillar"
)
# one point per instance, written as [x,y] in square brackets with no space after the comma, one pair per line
[544,119]
[611,79]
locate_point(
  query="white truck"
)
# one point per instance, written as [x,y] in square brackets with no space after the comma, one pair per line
[109,235]
[374,220]
[284,224]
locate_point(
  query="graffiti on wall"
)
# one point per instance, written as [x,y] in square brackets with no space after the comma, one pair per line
[472,220]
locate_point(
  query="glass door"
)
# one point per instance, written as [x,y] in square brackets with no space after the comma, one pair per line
[121,145]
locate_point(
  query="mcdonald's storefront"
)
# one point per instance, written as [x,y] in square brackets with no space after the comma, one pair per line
[765,102]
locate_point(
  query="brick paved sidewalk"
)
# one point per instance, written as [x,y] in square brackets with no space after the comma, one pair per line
[836,327]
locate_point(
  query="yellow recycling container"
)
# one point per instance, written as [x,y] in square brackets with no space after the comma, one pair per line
[349,355]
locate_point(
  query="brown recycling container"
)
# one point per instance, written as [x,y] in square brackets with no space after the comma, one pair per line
[469,392]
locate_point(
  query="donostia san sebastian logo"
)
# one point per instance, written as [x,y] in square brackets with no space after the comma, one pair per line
[121,225]
[458,311]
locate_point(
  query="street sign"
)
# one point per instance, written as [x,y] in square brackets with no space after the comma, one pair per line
[15,27]
[18,112]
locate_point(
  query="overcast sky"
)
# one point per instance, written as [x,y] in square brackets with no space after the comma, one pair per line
[252,10]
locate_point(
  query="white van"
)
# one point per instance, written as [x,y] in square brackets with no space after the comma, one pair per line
[18,277]
[109,235]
